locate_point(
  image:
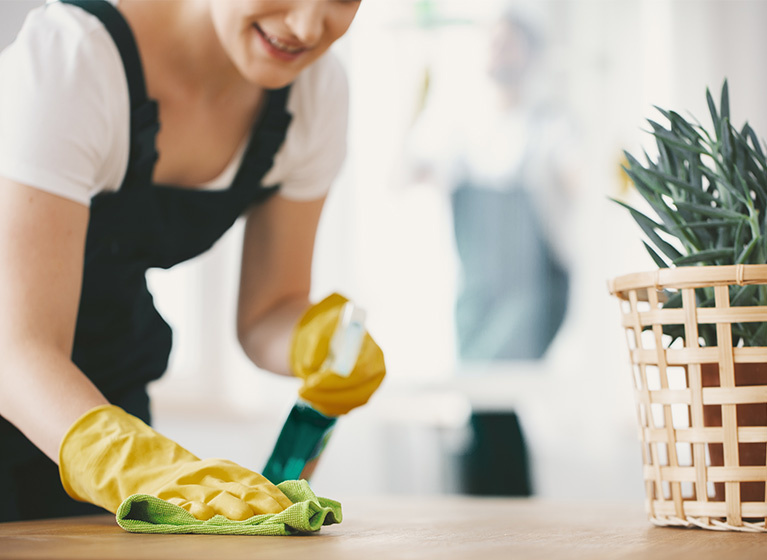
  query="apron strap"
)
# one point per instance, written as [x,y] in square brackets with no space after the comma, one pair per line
[122,35]
[266,139]
[143,111]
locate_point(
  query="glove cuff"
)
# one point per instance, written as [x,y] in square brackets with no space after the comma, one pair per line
[77,437]
[106,453]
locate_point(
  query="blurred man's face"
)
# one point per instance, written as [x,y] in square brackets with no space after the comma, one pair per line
[509,54]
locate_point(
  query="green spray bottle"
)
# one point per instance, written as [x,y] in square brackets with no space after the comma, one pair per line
[306,431]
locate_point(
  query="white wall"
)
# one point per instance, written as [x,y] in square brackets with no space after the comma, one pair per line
[12,14]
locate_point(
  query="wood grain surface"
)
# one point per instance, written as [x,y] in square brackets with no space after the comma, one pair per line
[443,528]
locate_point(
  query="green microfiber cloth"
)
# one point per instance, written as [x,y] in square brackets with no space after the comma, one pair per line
[146,514]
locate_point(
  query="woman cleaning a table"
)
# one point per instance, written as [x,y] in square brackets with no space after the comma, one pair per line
[248,115]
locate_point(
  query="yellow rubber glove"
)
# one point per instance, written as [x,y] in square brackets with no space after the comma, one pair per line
[108,455]
[329,393]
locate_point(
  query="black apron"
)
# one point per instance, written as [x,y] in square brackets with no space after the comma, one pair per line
[121,341]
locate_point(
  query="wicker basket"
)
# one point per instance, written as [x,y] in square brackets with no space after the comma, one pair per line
[702,409]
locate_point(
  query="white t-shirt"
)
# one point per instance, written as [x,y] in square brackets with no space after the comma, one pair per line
[64,114]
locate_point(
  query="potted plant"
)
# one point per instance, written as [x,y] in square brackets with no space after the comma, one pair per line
[697,326]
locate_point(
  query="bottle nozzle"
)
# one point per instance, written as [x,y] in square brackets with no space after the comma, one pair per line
[347,340]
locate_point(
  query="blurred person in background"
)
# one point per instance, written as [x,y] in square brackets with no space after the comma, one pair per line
[248,114]
[507,161]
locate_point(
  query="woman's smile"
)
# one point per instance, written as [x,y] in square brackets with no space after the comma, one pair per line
[270,42]
[280,48]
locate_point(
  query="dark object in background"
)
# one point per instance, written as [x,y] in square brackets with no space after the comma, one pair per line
[496,462]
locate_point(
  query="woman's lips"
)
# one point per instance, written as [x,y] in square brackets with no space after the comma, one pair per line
[278,48]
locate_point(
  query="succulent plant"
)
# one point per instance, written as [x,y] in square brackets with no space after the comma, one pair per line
[708,190]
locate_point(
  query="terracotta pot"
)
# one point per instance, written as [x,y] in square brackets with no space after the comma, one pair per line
[749,454]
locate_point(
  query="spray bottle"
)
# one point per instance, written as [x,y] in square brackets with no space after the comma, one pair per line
[306,431]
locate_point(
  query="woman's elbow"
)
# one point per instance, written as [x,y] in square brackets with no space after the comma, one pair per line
[266,350]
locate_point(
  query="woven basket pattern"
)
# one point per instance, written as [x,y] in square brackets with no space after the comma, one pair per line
[702,409]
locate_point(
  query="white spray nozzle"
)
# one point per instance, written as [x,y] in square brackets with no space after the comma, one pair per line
[347,340]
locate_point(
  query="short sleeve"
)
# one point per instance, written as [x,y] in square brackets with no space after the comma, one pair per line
[435,145]
[63,103]
[315,145]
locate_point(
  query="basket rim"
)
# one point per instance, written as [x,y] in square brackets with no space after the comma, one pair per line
[690,277]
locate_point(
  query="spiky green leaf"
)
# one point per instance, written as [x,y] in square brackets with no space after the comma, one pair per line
[708,188]
[708,256]
[711,211]
[659,261]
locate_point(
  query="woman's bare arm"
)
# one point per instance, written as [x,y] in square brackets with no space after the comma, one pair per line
[42,242]
[275,278]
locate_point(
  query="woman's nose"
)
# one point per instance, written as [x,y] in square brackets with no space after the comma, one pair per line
[306,20]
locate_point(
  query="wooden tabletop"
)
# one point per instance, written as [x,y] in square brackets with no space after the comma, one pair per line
[444,528]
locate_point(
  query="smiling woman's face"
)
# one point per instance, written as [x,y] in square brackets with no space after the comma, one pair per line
[271,41]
